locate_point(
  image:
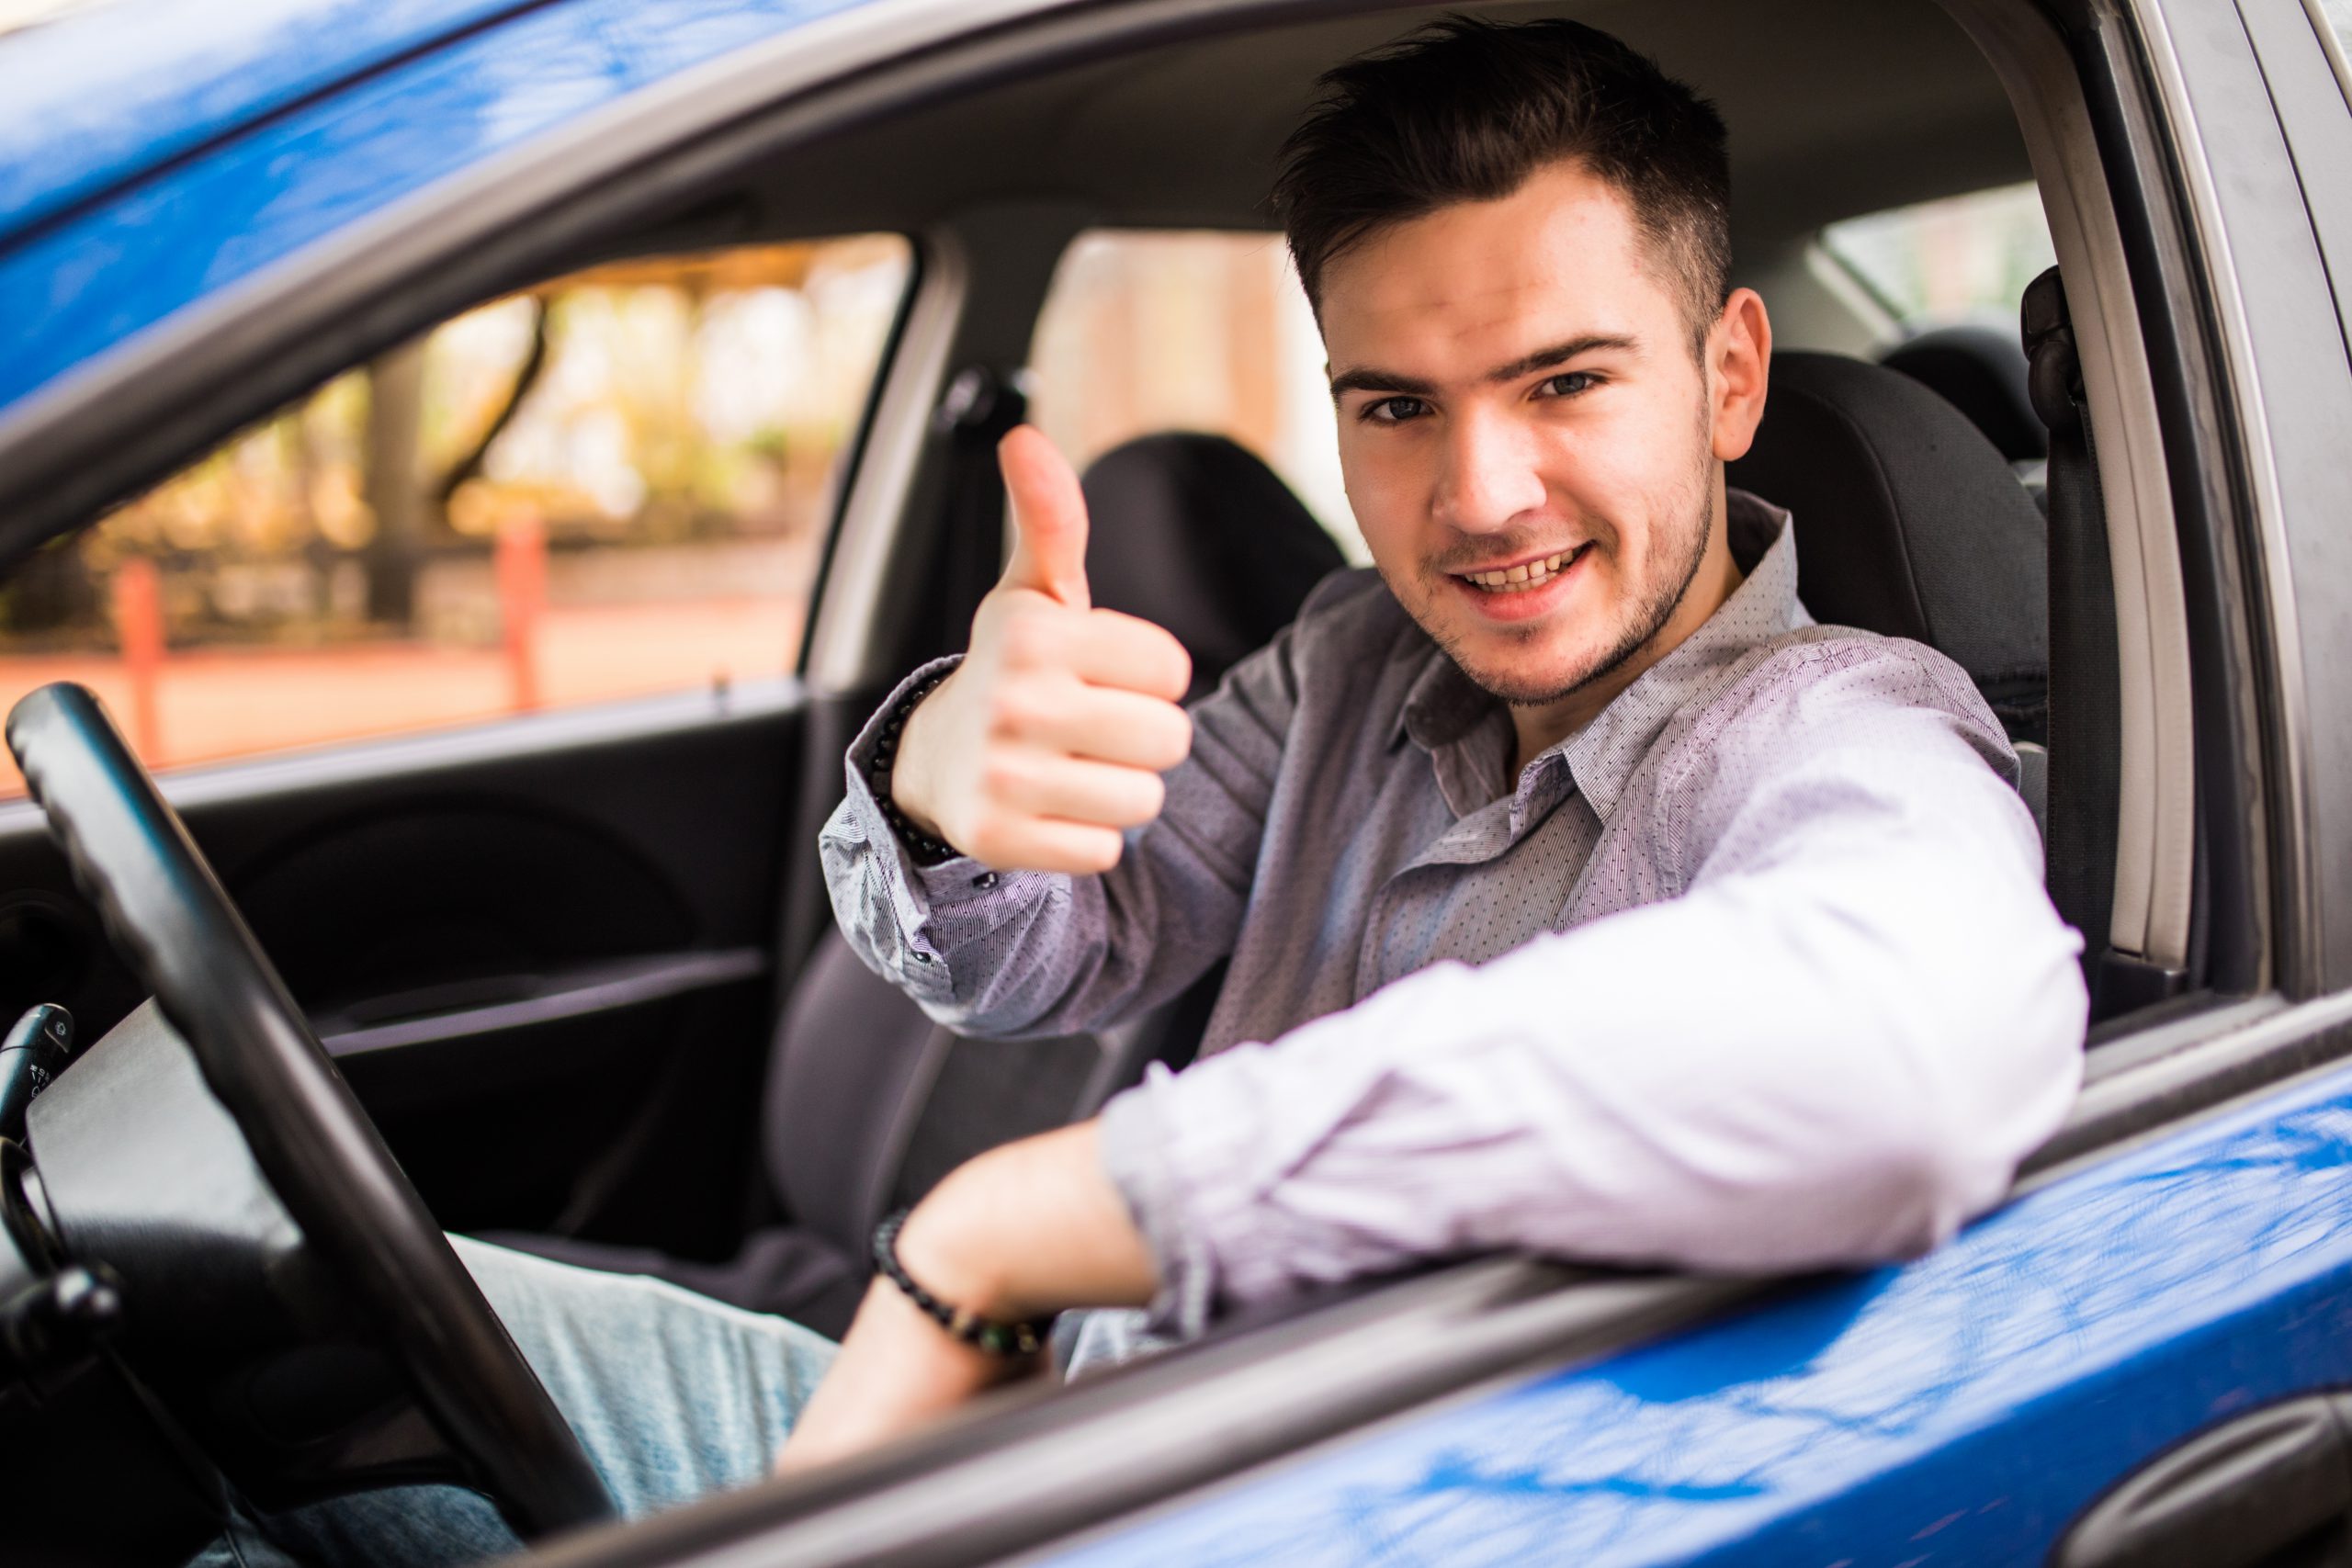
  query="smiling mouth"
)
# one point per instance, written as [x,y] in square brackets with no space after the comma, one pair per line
[1526,575]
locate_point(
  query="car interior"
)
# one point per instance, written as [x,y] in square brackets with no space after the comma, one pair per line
[578,969]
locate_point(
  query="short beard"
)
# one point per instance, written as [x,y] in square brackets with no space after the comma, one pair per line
[1650,616]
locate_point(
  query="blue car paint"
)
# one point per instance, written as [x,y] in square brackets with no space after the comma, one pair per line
[102,95]
[81,288]
[1959,1410]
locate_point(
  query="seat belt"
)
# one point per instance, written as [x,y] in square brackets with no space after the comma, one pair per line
[2086,682]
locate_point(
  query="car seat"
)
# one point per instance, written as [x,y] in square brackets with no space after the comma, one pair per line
[868,1102]
[1911,522]
[1981,372]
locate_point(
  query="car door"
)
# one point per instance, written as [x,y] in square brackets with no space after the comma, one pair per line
[2141,1356]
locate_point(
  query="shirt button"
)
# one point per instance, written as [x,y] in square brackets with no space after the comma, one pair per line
[987,879]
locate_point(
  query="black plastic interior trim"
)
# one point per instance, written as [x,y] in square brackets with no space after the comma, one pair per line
[169,917]
[574,993]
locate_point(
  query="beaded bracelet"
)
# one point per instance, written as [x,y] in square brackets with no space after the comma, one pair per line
[997,1338]
[926,849]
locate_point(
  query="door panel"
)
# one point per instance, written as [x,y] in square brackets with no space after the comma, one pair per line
[540,950]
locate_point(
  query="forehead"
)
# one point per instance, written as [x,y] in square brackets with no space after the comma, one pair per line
[1484,280]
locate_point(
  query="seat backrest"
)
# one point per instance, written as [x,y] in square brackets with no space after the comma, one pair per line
[1910,522]
[1982,373]
[867,1101]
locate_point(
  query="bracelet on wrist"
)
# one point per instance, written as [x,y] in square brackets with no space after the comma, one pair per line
[926,849]
[997,1338]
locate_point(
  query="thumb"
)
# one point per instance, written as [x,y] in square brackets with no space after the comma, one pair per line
[1048,518]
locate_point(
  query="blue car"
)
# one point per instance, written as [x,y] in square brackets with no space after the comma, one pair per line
[566,976]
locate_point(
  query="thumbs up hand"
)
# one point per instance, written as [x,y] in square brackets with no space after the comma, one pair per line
[1051,736]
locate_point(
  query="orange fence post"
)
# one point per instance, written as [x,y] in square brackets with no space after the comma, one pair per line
[138,622]
[520,563]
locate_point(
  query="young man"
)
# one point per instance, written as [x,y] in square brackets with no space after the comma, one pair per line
[1581,895]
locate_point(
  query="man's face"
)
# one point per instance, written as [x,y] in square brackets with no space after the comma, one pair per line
[1528,441]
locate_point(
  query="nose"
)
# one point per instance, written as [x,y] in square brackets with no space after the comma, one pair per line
[1487,474]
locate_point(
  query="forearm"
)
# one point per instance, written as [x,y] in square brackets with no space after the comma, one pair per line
[1020,1232]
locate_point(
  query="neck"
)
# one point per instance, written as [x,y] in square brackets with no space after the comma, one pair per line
[1542,726]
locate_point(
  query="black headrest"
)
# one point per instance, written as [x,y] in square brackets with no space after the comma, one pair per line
[1908,522]
[1195,533]
[1981,372]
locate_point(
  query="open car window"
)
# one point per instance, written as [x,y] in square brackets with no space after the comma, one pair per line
[614,486]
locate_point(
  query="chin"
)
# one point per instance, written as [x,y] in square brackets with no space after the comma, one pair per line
[1524,671]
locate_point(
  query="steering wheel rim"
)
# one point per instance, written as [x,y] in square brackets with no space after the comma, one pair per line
[168,915]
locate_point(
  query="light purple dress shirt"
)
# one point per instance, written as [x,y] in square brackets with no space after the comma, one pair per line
[1755,973]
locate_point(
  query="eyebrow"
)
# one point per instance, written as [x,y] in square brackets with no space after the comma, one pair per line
[1368,380]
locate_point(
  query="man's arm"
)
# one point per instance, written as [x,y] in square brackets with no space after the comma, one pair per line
[1833,1047]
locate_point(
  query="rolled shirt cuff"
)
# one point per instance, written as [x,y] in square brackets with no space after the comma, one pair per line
[933,907]
[1177,1150]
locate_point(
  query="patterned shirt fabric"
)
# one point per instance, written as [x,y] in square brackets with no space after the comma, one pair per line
[1754,972]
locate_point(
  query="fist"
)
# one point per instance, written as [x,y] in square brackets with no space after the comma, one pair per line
[1049,739]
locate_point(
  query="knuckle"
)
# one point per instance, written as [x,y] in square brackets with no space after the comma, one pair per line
[1003,775]
[1032,638]
[1013,712]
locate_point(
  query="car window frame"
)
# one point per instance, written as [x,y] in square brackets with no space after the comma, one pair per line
[433,255]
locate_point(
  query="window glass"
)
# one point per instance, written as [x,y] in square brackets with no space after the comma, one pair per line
[1941,263]
[614,486]
[1146,332]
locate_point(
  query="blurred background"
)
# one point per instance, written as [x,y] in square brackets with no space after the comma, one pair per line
[617,485]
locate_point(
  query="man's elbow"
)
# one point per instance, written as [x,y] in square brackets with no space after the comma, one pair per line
[1951,1150]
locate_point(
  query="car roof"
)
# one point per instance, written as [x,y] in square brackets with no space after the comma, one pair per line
[98,97]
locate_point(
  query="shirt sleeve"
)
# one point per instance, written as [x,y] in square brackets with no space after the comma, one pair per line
[1834,1046]
[1035,952]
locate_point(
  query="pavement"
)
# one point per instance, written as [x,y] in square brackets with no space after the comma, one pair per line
[214,703]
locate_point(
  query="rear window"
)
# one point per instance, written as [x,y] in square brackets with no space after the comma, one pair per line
[1151,330]
[1938,263]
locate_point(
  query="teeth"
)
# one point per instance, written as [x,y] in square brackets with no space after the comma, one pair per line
[1520,578]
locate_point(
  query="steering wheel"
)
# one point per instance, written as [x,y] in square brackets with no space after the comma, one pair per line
[168,915]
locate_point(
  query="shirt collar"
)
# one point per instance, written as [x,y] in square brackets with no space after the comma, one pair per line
[1443,705]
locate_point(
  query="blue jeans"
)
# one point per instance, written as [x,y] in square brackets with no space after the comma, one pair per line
[673,1395]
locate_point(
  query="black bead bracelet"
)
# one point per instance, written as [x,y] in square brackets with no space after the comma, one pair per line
[997,1338]
[926,849]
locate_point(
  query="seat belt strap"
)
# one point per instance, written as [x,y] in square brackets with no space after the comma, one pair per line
[2085,682]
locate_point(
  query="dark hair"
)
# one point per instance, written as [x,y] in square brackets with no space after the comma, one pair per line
[1466,110]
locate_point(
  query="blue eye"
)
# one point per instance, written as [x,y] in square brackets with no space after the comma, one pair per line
[1568,383]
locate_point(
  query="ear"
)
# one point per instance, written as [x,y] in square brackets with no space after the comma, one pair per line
[1739,359]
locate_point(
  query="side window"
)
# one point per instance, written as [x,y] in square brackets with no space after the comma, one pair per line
[614,486]
[1148,330]
[1938,263]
